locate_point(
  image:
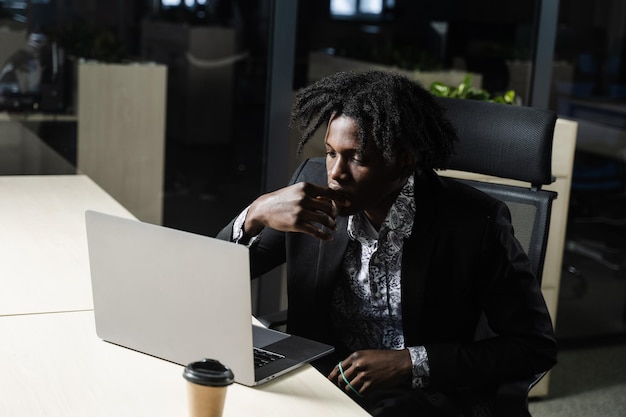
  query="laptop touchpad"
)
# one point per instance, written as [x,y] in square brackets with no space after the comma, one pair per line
[262,336]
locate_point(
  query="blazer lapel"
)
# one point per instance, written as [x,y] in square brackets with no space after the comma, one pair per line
[416,256]
[330,257]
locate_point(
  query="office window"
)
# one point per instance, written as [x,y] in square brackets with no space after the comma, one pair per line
[371,6]
[16,10]
[589,86]
[343,7]
[359,9]
[486,38]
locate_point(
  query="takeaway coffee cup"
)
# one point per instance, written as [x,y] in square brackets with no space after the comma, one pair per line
[207,382]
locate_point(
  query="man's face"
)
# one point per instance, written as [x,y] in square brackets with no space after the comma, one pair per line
[365,179]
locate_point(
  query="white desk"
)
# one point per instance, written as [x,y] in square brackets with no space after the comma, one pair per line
[53,364]
[23,152]
[44,265]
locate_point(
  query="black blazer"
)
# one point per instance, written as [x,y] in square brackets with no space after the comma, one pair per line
[461,259]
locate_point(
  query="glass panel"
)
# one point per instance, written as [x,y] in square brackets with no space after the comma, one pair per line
[37,129]
[217,72]
[589,86]
[429,40]
[216,56]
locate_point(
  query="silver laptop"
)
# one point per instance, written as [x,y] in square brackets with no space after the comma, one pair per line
[183,297]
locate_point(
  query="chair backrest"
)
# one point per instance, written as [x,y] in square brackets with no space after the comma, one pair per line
[513,143]
[502,140]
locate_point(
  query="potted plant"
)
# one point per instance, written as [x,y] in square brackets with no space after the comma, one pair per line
[467,91]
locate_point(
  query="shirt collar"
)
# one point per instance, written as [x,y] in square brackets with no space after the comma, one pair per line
[399,218]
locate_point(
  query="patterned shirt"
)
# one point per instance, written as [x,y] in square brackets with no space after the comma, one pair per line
[366,304]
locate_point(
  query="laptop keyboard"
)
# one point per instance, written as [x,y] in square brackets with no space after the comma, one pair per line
[263,357]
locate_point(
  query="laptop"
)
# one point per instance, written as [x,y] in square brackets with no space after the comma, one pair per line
[183,297]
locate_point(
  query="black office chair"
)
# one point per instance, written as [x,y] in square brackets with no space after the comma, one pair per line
[510,142]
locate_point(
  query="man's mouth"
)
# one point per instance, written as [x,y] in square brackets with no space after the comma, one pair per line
[343,198]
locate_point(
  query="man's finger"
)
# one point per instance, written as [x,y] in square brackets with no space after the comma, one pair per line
[317,191]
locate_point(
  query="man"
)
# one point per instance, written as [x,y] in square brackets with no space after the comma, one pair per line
[392,264]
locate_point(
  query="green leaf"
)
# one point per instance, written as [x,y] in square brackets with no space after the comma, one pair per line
[466,91]
[509,97]
[440,89]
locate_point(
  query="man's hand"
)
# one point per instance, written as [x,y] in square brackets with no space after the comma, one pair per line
[302,207]
[369,370]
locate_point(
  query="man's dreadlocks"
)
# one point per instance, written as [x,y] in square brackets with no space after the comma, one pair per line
[396,113]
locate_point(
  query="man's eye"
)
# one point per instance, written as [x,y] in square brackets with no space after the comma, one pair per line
[332,154]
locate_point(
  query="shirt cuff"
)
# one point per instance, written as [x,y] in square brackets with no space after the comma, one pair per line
[238,232]
[421,367]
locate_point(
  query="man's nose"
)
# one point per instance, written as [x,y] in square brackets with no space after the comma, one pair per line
[337,169]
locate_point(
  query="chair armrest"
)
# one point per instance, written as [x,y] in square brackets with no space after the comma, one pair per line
[512,397]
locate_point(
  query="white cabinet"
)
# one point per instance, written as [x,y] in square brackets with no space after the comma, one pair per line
[121,133]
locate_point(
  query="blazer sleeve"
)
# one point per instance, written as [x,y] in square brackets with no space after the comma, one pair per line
[268,251]
[523,344]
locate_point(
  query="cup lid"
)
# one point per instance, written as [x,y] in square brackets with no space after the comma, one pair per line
[209,372]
